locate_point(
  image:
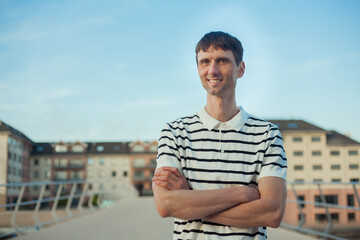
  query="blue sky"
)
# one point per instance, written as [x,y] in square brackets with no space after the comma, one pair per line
[119,70]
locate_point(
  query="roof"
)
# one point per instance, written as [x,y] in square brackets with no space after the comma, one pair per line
[295,125]
[334,138]
[7,128]
[44,148]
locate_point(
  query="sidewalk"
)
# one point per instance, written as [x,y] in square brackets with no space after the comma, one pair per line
[129,219]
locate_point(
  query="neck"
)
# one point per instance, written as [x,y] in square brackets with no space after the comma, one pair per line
[222,109]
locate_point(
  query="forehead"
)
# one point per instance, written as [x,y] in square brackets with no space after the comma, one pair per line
[214,53]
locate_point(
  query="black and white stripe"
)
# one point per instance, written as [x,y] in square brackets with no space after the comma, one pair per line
[220,158]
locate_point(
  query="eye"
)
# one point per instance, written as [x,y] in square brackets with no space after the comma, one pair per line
[223,60]
[204,61]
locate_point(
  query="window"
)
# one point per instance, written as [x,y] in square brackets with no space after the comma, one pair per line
[299,180]
[60,148]
[353,152]
[334,153]
[153,162]
[292,125]
[62,163]
[351,217]
[36,174]
[317,167]
[298,153]
[139,162]
[47,174]
[39,149]
[332,199]
[316,153]
[335,167]
[297,139]
[116,148]
[100,148]
[125,174]
[153,148]
[350,200]
[36,162]
[320,218]
[101,173]
[301,198]
[113,173]
[101,161]
[317,180]
[336,180]
[354,166]
[354,180]
[315,139]
[138,148]
[76,163]
[298,167]
[78,148]
[139,175]
[90,161]
[61,175]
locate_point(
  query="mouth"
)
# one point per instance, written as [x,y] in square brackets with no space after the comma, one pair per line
[214,80]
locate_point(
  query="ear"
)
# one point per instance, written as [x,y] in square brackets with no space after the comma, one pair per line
[241,69]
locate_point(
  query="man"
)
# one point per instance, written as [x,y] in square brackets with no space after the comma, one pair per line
[221,172]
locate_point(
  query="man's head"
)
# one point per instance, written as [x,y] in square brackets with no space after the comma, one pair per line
[220,40]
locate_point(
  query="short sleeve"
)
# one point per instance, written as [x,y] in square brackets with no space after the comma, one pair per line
[168,154]
[274,162]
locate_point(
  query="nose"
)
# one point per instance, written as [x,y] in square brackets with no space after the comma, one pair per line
[213,68]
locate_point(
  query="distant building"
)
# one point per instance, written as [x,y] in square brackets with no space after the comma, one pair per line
[143,164]
[314,155]
[318,155]
[15,149]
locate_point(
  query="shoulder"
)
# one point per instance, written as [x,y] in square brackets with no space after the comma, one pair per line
[183,122]
[260,124]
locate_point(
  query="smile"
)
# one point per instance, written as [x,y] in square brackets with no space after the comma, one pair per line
[214,80]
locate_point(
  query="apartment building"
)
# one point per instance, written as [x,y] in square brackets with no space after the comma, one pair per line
[108,161]
[321,156]
[143,164]
[15,149]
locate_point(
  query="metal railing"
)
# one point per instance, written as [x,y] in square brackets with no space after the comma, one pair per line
[80,196]
[319,187]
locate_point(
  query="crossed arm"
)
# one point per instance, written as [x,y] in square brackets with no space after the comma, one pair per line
[241,206]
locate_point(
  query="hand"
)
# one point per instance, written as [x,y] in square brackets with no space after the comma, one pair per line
[170,178]
[253,193]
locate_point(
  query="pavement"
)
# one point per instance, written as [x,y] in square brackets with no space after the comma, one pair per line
[128,219]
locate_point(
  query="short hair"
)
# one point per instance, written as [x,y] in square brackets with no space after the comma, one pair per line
[221,40]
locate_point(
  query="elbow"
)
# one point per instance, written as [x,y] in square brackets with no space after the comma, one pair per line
[163,211]
[275,218]
[163,204]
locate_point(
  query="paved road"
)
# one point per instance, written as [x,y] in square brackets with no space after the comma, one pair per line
[129,219]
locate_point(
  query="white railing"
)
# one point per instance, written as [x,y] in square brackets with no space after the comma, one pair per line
[84,196]
[322,203]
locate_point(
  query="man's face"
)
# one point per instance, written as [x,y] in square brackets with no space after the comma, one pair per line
[218,71]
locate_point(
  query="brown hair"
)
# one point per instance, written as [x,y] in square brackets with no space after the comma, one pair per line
[221,40]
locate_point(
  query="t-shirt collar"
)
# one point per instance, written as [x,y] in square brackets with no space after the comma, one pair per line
[237,122]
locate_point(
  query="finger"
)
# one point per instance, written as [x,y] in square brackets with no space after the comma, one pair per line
[167,177]
[163,184]
[173,170]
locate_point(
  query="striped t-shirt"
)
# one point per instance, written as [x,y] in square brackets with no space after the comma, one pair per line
[213,155]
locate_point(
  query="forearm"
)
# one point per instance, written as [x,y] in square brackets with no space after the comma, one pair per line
[193,204]
[266,211]
[251,214]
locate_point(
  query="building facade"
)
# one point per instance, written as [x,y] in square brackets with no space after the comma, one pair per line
[143,164]
[15,149]
[320,156]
